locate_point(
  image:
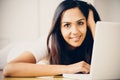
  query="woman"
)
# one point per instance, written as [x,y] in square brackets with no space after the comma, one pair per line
[69,44]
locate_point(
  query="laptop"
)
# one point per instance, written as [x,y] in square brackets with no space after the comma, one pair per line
[106,53]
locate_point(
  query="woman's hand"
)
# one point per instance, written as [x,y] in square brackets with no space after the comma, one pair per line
[82,67]
[91,22]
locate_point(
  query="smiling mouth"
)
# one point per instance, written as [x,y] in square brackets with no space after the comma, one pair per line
[76,38]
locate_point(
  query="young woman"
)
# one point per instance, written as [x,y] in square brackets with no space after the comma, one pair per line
[69,44]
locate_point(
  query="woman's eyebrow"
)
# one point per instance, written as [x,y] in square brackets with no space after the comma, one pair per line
[75,21]
[81,19]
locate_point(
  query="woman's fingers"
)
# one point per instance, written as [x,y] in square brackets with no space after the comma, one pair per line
[85,67]
[81,67]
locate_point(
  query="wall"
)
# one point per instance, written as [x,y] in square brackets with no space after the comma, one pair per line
[18,20]
[108,9]
[47,9]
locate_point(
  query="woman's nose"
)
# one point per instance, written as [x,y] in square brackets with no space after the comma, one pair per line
[74,30]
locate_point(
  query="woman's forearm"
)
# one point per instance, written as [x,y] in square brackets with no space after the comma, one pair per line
[33,70]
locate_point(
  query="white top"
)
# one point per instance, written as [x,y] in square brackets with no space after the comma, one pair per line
[38,48]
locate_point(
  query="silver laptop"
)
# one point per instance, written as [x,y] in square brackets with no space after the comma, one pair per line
[106,53]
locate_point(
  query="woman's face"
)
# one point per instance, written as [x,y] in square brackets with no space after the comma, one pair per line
[73,27]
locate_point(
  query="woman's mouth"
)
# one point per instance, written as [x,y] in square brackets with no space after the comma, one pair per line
[75,39]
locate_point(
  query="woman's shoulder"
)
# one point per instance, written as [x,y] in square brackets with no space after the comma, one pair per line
[38,48]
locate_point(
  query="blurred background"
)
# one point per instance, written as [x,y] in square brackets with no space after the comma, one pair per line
[23,20]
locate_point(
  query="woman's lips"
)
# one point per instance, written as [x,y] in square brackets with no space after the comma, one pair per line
[76,38]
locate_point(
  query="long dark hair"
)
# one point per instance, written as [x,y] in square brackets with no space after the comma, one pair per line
[55,42]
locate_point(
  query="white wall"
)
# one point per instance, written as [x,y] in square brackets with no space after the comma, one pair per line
[109,9]
[22,20]
[47,9]
[18,20]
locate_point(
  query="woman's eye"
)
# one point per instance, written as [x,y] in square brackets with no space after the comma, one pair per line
[80,23]
[67,25]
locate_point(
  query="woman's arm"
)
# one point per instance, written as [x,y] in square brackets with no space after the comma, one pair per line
[25,66]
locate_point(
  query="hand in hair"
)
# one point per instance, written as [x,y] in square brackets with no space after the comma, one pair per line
[91,22]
